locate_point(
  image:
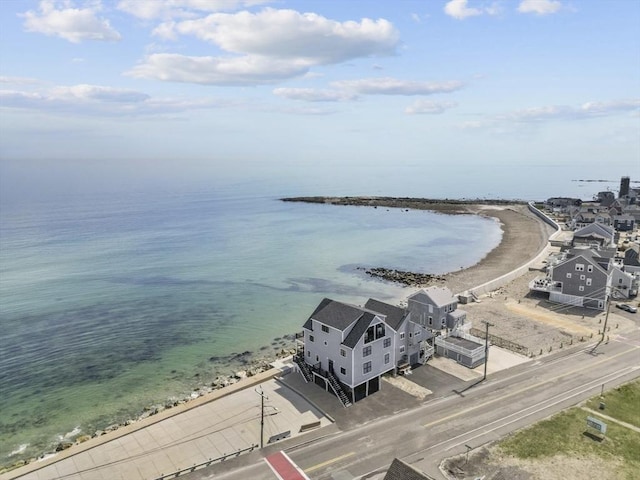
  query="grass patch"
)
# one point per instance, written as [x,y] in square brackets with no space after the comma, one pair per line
[622,403]
[567,434]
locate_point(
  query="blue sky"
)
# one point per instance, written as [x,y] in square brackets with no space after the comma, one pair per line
[194,89]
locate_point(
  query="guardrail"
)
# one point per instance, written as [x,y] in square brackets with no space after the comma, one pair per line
[177,473]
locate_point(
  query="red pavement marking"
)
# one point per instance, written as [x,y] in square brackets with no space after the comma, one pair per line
[284,468]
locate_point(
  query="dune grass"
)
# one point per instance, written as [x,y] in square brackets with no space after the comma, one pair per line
[567,434]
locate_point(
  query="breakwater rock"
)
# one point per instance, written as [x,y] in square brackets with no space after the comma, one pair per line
[410,279]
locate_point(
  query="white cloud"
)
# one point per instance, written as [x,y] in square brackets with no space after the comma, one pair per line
[429,107]
[538,115]
[458,9]
[95,100]
[60,19]
[314,95]
[290,34]
[152,9]
[584,111]
[247,70]
[270,46]
[539,7]
[393,86]
[19,80]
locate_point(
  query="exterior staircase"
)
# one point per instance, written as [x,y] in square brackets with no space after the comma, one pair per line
[305,369]
[338,390]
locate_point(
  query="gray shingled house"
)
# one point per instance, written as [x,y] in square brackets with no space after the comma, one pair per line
[437,308]
[346,349]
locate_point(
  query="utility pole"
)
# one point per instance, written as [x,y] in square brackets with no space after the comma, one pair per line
[486,347]
[262,397]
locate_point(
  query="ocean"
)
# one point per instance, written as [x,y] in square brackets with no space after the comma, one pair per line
[110,303]
[119,295]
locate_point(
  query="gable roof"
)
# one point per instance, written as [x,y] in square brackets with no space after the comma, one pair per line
[394,316]
[587,255]
[439,296]
[335,314]
[595,228]
[400,470]
[358,329]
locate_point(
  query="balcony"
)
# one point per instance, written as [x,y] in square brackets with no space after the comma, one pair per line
[545,284]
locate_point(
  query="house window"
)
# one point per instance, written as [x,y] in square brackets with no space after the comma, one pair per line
[387,343]
[588,281]
[410,334]
[430,321]
[402,349]
[343,353]
[402,336]
[568,275]
[589,268]
[369,335]
[317,358]
[366,367]
[579,267]
[619,281]
[366,351]
[443,321]
[325,329]
[343,371]
[308,353]
[581,288]
[379,330]
[582,277]
[386,358]
[417,334]
[311,338]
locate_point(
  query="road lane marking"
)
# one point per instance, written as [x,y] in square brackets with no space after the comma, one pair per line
[516,392]
[329,462]
[519,415]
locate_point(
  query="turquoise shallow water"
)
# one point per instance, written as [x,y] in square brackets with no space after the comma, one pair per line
[111,304]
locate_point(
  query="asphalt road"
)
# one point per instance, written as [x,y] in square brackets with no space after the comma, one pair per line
[425,435]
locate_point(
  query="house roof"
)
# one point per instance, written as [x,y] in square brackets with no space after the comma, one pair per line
[588,255]
[439,296]
[595,228]
[400,470]
[335,314]
[358,329]
[394,316]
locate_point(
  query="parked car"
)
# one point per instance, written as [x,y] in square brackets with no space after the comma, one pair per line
[626,307]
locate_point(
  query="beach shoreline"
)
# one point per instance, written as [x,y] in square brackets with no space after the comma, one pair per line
[523,234]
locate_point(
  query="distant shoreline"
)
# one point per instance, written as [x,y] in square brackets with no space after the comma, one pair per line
[523,234]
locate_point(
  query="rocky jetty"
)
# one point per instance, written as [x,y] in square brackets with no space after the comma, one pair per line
[409,279]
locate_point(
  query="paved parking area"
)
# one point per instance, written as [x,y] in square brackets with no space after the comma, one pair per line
[194,436]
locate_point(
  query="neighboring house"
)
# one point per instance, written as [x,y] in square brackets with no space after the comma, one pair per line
[586,277]
[437,308]
[624,223]
[594,235]
[400,470]
[624,284]
[579,280]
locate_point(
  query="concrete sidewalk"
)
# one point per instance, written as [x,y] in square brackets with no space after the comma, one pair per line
[207,431]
